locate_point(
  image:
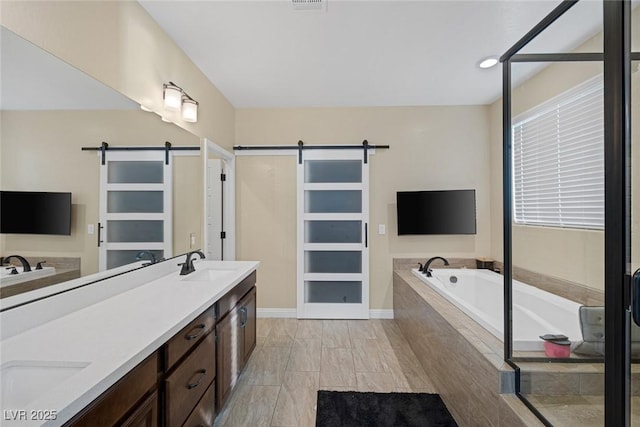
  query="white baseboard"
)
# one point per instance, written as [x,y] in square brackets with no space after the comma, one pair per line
[293,313]
[277,312]
[381,314]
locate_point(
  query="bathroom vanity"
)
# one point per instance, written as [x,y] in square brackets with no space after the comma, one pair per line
[164,351]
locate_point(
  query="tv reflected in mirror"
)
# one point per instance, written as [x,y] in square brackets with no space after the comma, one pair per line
[30,212]
[436,212]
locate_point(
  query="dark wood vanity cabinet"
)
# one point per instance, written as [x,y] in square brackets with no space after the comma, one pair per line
[191,368]
[188,380]
[146,414]
[236,332]
[132,401]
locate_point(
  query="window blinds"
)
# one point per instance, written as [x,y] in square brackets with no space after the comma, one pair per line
[558,160]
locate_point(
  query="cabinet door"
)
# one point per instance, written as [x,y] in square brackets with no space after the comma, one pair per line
[146,415]
[248,324]
[228,358]
[116,402]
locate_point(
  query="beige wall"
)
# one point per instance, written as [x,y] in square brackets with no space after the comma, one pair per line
[570,254]
[431,148]
[41,151]
[119,44]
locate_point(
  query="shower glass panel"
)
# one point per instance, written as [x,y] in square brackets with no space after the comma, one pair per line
[333,262]
[135,231]
[557,227]
[121,172]
[558,237]
[333,231]
[332,292]
[116,258]
[333,171]
[333,201]
[135,201]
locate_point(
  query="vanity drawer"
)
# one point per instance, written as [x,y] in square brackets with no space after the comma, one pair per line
[231,299]
[189,336]
[205,412]
[186,385]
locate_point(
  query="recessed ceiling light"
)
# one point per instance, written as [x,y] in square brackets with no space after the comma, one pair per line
[488,62]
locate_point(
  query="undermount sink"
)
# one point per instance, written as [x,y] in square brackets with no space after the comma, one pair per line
[209,274]
[25,381]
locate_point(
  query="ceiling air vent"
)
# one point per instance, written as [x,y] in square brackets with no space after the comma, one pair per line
[309,4]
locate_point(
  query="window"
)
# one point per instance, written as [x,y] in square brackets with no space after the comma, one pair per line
[558,160]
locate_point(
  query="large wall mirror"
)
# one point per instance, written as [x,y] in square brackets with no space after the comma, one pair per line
[49,111]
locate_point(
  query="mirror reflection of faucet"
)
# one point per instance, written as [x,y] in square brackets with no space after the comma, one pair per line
[25,264]
[146,255]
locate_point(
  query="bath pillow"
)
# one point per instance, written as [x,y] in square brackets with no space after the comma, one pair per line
[592,327]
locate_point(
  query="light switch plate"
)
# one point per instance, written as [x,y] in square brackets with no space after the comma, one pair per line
[90,229]
[382,229]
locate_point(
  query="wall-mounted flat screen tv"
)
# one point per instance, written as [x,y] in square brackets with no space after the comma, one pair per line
[436,212]
[30,212]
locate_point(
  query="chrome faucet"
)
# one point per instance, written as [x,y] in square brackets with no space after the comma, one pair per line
[426,270]
[25,264]
[187,266]
[146,255]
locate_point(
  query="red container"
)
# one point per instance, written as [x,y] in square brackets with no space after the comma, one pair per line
[552,349]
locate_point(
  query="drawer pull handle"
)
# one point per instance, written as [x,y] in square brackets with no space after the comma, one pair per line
[243,317]
[201,373]
[193,336]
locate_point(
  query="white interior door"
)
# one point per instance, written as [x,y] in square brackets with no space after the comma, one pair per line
[333,253]
[135,207]
[214,224]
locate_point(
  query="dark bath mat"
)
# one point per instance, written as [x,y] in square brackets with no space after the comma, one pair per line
[353,409]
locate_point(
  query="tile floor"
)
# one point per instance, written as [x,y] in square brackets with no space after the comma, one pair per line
[293,359]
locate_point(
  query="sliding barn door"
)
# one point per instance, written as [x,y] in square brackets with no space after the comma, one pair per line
[135,207]
[333,253]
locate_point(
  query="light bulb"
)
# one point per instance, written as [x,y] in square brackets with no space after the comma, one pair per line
[189,110]
[172,97]
[488,62]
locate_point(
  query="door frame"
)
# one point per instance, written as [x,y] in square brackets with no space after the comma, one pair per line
[228,197]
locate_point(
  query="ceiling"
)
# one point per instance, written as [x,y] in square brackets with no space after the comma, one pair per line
[362,53]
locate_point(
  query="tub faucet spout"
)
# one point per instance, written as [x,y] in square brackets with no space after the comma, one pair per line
[426,270]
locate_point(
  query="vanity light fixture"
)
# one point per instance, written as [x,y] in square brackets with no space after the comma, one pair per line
[189,110]
[488,62]
[175,98]
[172,96]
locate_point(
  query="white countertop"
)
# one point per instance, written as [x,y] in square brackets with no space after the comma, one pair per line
[113,336]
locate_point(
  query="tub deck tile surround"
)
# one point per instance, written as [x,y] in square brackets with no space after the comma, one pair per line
[565,288]
[462,359]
